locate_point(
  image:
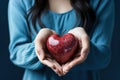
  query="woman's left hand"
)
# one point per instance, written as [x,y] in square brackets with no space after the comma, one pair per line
[83,50]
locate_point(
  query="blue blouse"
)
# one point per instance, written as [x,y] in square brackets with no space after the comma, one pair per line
[22,48]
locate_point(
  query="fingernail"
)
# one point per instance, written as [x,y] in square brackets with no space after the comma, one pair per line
[54,67]
[65,72]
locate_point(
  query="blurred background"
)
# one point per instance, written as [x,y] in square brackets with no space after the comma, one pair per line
[10,72]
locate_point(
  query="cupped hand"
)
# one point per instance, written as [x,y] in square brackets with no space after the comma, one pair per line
[83,49]
[41,52]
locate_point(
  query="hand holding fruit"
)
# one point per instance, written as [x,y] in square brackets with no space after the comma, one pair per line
[41,51]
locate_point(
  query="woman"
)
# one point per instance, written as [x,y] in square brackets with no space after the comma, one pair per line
[32,21]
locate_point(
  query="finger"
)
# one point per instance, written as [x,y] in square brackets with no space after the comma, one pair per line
[74,62]
[48,61]
[78,60]
[53,32]
[53,65]
[65,70]
[59,67]
[40,53]
[44,34]
[85,45]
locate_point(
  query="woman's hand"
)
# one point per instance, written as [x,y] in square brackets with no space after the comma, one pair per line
[40,48]
[83,50]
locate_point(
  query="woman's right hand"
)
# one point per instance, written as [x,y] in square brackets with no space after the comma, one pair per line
[41,52]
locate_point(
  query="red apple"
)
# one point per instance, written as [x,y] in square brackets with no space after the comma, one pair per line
[62,48]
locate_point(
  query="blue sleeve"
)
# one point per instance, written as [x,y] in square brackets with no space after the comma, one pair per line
[100,40]
[22,49]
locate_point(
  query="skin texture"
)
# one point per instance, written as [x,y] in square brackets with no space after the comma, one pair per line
[47,60]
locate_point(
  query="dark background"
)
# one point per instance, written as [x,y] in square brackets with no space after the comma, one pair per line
[10,72]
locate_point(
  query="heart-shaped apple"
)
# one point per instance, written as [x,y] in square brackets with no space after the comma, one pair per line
[62,48]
